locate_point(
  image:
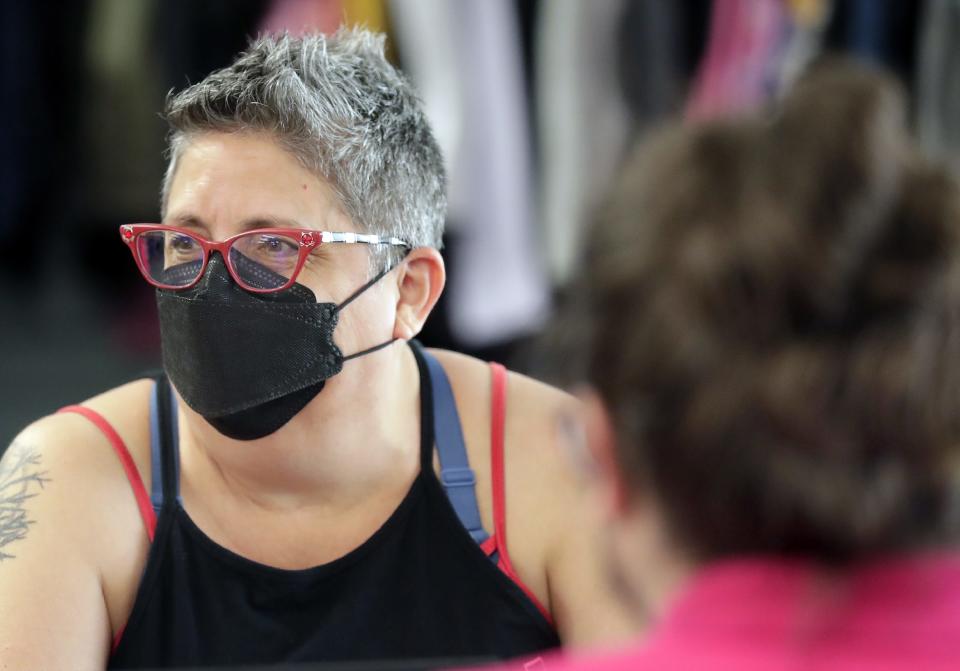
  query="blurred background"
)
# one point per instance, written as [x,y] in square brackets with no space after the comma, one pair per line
[534,103]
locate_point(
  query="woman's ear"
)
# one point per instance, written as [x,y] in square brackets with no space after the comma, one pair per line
[420,282]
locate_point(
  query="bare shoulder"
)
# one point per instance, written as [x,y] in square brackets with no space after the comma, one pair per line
[65,436]
[80,451]
[127,409]
[79,471]
[532,408]
[71,539]
[529,401]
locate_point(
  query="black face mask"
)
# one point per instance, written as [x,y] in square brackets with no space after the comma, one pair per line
[246,362]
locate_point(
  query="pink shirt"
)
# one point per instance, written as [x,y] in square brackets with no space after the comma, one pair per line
[898,614]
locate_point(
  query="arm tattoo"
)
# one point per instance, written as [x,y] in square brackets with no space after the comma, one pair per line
[20,479]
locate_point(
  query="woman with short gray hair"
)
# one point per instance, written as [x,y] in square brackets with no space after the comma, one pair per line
[306,485]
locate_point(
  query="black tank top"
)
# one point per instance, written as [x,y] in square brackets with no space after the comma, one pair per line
[420,587]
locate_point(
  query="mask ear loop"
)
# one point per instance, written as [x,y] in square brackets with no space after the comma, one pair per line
[370,350]
[356,294]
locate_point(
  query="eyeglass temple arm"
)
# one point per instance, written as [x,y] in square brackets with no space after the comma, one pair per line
[361,238]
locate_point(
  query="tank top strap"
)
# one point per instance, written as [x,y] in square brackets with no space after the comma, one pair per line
[456,476]
[126,461]
[164,445]
[498,420]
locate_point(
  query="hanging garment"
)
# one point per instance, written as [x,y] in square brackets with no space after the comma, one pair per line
[584,121]
[371,14]
[324,16]
[735,74]
[303,16]
[868,28]
[430,56]
[498,290]
[938,82]
[803,42]
[124,138]
[882,32]
[652,42]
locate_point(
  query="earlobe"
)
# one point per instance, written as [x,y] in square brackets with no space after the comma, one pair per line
[420,283]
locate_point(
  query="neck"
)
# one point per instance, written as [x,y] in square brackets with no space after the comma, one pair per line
[357,437]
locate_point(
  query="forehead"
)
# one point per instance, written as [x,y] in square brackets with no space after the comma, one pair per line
[224,179]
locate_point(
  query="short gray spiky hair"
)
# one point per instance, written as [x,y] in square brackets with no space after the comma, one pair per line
[345,113]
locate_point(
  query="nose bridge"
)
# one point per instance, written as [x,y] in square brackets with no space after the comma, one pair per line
[216,264]
[220,246]
[221,249]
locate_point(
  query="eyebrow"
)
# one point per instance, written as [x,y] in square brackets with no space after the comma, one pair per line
[193,221]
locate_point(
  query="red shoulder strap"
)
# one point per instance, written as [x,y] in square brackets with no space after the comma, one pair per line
[498,416]
[129,467]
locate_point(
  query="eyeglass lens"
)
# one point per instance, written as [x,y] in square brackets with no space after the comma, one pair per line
[258,260]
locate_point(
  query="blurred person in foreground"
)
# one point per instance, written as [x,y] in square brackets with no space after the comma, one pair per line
[303,483]
[771,313]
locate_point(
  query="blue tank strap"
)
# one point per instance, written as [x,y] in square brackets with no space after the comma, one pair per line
[156,448]
[457,477]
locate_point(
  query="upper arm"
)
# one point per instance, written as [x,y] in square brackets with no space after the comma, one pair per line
[53,614]
[551,511]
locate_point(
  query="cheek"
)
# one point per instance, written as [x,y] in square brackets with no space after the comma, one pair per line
[327,284]
[367,321]
[324,289]
[333,278]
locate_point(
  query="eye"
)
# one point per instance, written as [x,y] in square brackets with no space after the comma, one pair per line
[182,244]
[276,245]
[273,247]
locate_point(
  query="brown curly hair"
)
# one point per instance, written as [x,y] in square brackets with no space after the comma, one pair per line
[773,306]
